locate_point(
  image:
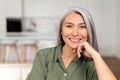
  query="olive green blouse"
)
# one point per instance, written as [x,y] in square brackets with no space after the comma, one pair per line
[48,65]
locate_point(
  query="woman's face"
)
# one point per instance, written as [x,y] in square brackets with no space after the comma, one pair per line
[74,30]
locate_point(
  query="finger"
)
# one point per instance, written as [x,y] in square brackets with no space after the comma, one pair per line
[86,54]
[74,51]
[78,54]
[81,45]
[79,48]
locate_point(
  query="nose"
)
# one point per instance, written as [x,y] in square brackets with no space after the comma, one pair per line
[75,32]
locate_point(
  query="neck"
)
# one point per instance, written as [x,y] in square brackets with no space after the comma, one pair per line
[68,53]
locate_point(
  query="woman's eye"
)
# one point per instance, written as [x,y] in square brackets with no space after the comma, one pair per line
[82,26]
[69,26]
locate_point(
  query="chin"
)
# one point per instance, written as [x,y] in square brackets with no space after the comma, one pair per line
[74,46]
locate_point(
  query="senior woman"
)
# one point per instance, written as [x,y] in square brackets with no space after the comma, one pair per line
[76,57]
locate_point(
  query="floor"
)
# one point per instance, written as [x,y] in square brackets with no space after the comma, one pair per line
[114,65]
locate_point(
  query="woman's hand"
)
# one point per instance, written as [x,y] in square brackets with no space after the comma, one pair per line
[103,71]
[86,49]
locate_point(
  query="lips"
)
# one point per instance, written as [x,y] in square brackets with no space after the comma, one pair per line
[75,40]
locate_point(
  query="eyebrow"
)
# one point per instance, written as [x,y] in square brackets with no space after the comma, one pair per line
[68,23]
[82,23]
[72,24]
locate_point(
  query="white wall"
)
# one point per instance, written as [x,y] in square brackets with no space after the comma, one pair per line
[108,28]
[118,29]
[48,8]
[2,18]
[13,8]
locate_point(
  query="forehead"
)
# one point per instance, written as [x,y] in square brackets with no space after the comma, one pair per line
[73,16]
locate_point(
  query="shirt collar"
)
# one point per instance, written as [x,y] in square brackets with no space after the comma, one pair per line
[58,53]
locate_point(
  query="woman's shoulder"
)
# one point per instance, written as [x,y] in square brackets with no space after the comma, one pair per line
[47,51]
[47,54]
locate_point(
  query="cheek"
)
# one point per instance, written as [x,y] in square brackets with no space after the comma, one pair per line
[84,33]
[65,32]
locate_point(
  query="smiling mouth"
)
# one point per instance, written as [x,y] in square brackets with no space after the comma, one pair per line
[75,40]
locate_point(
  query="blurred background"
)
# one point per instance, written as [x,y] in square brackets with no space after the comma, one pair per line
[27,26]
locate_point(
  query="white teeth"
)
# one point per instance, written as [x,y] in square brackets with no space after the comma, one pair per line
[74,40]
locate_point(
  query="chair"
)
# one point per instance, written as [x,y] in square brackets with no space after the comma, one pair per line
[25,47]
[12,45]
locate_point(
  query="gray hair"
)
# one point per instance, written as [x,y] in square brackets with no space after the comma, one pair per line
[92,39]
